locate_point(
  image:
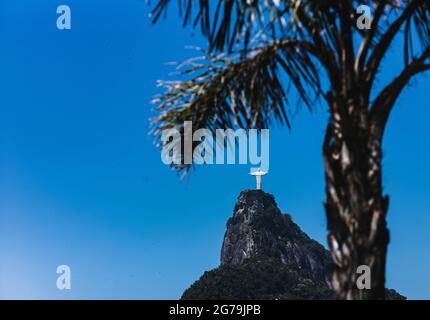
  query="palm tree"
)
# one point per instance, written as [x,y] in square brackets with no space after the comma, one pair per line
[259,50]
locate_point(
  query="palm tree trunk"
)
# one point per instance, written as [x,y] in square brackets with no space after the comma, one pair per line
[355,206]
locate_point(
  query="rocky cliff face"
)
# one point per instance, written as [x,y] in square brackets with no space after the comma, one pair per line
[259,230]
[265,255]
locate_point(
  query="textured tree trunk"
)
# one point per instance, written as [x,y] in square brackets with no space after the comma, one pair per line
[355,206]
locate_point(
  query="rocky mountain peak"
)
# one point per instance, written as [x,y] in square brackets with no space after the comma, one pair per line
[265,255]
[259,230]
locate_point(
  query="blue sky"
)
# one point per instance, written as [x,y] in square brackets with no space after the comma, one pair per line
[81,183]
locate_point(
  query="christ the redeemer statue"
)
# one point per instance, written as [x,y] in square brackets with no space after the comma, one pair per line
[258,174]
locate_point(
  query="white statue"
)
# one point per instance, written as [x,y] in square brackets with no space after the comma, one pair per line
[258,174]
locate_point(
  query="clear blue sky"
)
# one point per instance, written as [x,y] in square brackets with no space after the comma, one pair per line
[81,183]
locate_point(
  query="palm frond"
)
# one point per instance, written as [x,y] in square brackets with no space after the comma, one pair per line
[229,91]
[258,48]
[227,22]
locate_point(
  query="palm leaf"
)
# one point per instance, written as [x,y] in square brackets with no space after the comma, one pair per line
[232,91]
